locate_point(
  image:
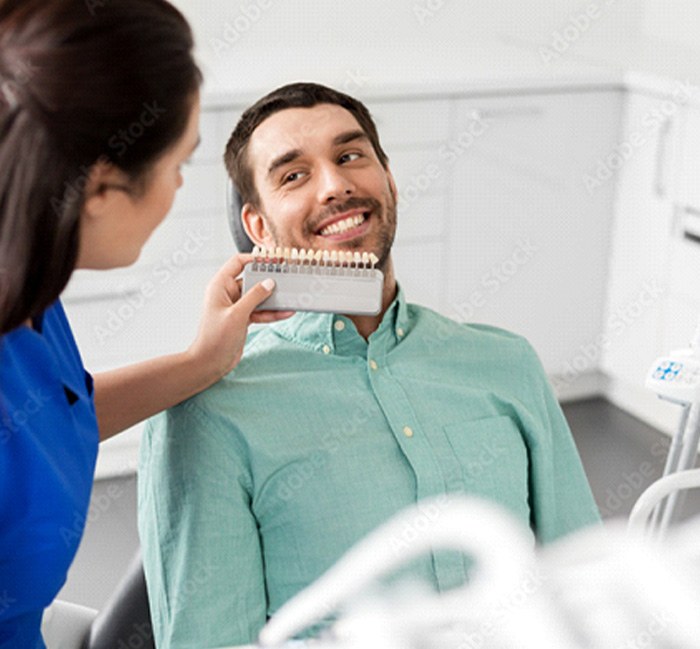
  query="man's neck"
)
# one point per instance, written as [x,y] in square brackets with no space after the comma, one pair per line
[367,324]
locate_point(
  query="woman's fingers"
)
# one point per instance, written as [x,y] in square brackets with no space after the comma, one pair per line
[253,297]
[260,317]
[248,302]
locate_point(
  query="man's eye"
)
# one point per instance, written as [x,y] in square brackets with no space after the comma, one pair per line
[349,157]
[290,178]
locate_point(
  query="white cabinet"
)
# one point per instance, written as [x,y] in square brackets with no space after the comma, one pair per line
[496,221]
[647,313]
[641,235]
[688,194]
[681,311]
[653,292]
[528,237]
[411,133]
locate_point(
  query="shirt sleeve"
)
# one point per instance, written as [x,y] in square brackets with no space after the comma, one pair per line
[561,497]
[201,549]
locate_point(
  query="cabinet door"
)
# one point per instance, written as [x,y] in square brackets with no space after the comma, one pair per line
[681,309]
[641,239]
[529,234]
[688,194]
[411,132]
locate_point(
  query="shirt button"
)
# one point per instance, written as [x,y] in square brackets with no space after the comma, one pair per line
[373,365]
[339,325]
[326,349]
[408,431]
[400,332]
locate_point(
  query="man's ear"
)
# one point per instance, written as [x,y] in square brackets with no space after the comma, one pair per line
[255,226]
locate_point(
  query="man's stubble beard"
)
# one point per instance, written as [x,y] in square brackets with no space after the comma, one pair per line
[385,241]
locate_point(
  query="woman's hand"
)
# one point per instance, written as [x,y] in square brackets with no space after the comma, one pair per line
[227,314]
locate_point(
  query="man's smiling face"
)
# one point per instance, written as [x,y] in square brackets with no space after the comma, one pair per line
[320,184]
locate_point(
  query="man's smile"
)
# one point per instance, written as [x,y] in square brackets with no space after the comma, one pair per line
[348,221]
[346,225]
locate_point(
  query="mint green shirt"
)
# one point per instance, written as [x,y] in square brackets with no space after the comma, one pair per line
[252,489]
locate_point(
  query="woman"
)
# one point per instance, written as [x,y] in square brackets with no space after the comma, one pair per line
[73,74]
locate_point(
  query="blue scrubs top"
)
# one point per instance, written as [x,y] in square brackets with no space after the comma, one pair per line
[48,448]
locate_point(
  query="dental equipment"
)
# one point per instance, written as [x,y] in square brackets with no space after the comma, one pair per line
[656,492]
[596,589]
[676,378]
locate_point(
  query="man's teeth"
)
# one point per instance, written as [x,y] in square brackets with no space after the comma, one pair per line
[344,225]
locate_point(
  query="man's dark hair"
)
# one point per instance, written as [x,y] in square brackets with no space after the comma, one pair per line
[294,95]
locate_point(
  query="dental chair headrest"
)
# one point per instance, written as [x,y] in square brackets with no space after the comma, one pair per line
[233,210]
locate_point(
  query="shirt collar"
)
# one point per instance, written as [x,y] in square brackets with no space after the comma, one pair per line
[322,332]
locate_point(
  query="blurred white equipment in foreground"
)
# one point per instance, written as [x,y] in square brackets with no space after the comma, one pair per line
[601,588]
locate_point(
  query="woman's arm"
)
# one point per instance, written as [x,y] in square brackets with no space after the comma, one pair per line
[125,396]
[128,395]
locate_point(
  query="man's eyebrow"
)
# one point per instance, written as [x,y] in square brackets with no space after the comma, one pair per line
[290,156]
[284,159]
[349,136]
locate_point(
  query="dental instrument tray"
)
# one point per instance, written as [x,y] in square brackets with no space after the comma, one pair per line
[332,281]
[676,377]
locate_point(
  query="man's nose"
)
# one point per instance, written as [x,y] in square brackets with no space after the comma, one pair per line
[334,184]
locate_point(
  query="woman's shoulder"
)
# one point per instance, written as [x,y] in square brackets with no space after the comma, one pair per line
[41,359]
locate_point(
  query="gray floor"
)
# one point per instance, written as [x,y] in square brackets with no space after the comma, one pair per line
[621,456]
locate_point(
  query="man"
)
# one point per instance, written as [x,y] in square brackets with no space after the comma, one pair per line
[331,424]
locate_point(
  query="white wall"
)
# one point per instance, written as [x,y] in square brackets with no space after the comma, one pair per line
[304,23]
[297,38]
[676,22]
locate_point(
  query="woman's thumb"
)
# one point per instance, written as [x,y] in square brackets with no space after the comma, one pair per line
[257,294]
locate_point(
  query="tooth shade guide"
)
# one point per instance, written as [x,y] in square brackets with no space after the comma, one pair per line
[334,281]
[278,259]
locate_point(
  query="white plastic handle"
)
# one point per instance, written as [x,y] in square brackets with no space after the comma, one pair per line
[656,492]
[502,550]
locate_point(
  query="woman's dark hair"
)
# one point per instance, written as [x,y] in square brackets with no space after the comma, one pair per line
[81,81]
[293,95]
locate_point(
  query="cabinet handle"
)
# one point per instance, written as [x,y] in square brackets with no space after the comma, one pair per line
[661,157]
[495,113]
[690,223]
[80,297]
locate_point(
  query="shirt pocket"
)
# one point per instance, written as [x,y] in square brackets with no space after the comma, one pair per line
[494,461]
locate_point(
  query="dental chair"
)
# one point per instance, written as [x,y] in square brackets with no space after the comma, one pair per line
[124,621]
[233,212]
[66,625]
